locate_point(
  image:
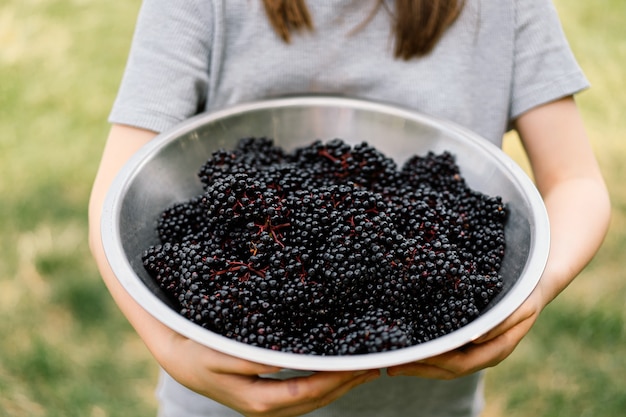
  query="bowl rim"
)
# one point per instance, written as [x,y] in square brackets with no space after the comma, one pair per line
[130,281]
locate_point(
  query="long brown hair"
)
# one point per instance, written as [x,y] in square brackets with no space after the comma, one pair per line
[417,24]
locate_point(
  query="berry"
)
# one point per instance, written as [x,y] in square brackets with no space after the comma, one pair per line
[330,249]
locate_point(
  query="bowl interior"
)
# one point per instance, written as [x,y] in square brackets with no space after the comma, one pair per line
[164,172]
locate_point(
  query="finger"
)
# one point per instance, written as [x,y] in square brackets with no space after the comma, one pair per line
[314,387]
[474,357]
[422,370]
[527,311]
[460,362]
[301,395]
[338,392]
[222,363]
[226,364]
[519,317]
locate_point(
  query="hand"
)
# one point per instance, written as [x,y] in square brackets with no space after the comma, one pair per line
[231,381]
[575,195]
[228,380]
[484,352]
[236,384]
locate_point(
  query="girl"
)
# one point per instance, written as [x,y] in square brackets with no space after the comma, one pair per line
[488,65]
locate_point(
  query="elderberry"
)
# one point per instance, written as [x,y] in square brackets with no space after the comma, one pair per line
[330,249]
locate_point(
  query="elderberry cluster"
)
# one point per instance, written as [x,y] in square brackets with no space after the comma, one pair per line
[330,249]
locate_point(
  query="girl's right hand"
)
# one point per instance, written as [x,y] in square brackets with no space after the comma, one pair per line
[233,382]
[236,383]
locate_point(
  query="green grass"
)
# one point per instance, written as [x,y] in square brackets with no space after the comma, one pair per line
[66,350]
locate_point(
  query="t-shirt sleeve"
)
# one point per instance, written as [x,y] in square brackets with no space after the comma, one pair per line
[167,73]
[545,68]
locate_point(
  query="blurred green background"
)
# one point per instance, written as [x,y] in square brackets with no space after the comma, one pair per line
[65,349]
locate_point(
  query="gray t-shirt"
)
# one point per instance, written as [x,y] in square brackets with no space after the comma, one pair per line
[499,59]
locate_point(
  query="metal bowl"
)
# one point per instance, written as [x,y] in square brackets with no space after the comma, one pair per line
[164,172]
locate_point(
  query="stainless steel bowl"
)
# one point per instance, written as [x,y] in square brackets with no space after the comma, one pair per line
[164,172]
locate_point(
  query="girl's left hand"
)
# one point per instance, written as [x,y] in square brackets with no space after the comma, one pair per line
[577,201]
[484,352]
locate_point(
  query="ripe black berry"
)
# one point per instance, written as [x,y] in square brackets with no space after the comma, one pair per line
[330,249]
